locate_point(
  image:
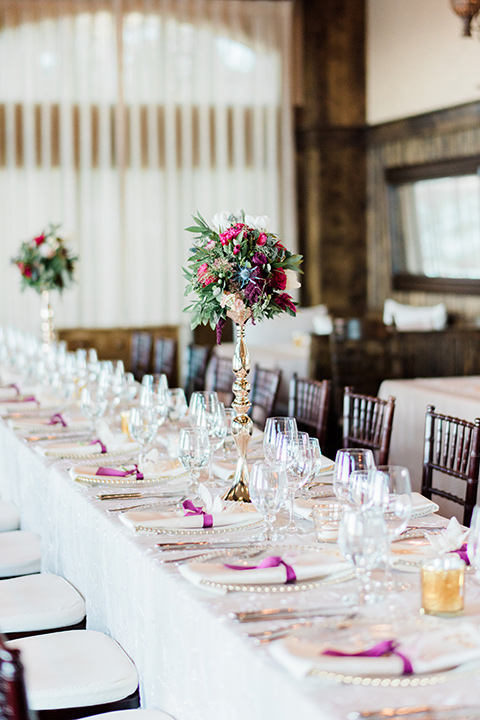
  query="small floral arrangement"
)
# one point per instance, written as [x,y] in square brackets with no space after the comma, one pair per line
[45,262]
[238,270]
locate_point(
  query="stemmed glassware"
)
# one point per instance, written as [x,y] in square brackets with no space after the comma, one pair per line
[347,461]
[176,404]
[473,543]
[361,539]
[143,426]
[194,452]
[268,489]
[280,433]
[298,471]
[93,401]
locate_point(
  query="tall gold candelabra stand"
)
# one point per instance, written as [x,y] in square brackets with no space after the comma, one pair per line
[47,324]
[242,425]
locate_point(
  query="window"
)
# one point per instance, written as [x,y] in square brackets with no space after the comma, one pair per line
[435,226]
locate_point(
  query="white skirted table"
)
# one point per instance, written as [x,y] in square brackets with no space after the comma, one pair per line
[193,662]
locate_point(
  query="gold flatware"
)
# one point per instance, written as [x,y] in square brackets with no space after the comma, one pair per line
[134,496]
[287,613]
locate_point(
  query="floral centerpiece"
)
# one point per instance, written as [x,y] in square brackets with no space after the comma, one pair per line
[238,269]
[45,263]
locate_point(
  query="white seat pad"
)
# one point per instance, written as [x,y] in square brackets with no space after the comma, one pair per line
[9,517]
[20,553]
[132,715]
[74,668]
[39,602]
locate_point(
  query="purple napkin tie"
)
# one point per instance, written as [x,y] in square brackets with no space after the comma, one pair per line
[99,442]
[14,386]
[191,509]
[120,473]
[56,419]
[462,553]
[386,647]
[272,561]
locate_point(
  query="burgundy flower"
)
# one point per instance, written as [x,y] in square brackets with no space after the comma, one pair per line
[278,279]
[27,271]
[255,286]
[259,258]
[285,302]
[262,239]
[40,239]
[219,329]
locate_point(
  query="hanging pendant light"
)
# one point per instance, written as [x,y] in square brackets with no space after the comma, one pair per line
[467,10]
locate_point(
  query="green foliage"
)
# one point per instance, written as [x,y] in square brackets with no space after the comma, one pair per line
[45,263]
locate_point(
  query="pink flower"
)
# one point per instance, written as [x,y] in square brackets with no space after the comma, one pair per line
[204,275]
[278,279]
[262,239]
[231,233]
[27,271]
[236,249]
[210,245]
[39,240]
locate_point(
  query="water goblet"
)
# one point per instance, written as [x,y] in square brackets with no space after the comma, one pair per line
[229,440]
[201,401]
[298,472]
[361,539]
[268,489]
[277,428]
[176,405]
[93,402]
[194,452]
[347,460]
[143,426]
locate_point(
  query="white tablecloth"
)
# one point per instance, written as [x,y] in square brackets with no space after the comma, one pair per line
[456,396]
[192,662]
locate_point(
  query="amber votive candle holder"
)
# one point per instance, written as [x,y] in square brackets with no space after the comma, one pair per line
[443,583]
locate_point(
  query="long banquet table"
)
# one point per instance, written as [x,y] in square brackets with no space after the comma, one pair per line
[192,661]
[457,396]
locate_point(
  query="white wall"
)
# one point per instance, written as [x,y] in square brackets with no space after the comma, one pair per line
[417,60]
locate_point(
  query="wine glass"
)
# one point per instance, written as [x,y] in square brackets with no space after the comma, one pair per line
[361,539]
[143,426]
[473,543]
[347,460]
[93,401]
[268,489]
[275,429]
[194,452]
[298,472]
[229,440]
[200,401]
[176,404]
[159,398]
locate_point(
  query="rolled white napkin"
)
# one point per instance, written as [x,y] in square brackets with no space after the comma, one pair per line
[433,650]
[452,538]
[43,423]
[306,566]
[234,514]
[108,437]
[171,469]
[20,406]
[81,449]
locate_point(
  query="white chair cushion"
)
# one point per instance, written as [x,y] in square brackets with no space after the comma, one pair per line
[132,715]
[9,517]
[39,602]
[20,553]
[74,668]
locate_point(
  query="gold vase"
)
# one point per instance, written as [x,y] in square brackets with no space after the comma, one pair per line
[242,425]
[47,324]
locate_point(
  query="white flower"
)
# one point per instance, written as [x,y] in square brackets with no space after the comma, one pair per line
[258,223]
[220,222]
[46,250]
[292,282]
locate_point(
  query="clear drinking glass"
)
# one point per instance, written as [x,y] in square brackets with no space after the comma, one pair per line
[277,428]
[268,489]
[93,401]
[143,426]
[194,452]
[299,471]
[201,401]
[348,460]
[229,441]
[176,404]
[473,544]
[361,539]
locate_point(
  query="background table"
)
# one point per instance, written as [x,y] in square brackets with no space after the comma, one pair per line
[457,396]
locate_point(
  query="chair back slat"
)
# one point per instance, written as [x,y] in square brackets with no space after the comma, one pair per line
[141,354]
[220,377]
[197,362]
[165,358]
[367,422]
[265,386]
[451,447]
[309,403]
[13,696]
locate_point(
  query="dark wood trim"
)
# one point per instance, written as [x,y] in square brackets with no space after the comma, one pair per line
[455,119]
[422,283]
[427,171]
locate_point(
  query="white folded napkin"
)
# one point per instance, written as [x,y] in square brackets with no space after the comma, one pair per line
[422,505]
[20,406]
[108,437]
[234,514]
[8,392]
[43,423]
[452,538]
[171,469]
[306,566]
[432,650]
[81,449]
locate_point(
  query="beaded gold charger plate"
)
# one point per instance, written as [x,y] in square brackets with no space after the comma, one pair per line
[395,681]
[201,531]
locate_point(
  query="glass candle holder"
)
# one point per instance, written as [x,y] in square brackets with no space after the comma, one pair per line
[326,519]
[443,581]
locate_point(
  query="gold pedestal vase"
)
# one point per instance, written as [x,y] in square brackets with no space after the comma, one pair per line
[242,425]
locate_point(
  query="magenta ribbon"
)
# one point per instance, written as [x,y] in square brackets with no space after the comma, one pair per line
[272,561]
[191,509]
[120,473]
[56,419]
[14,386]
[462,553]
[387,647]
[99,442]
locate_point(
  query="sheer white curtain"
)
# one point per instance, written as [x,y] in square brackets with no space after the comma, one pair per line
[121,118]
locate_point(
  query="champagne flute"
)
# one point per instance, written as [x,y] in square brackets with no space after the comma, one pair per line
[268,489]
[194,452]
[361,539]
[347,460]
